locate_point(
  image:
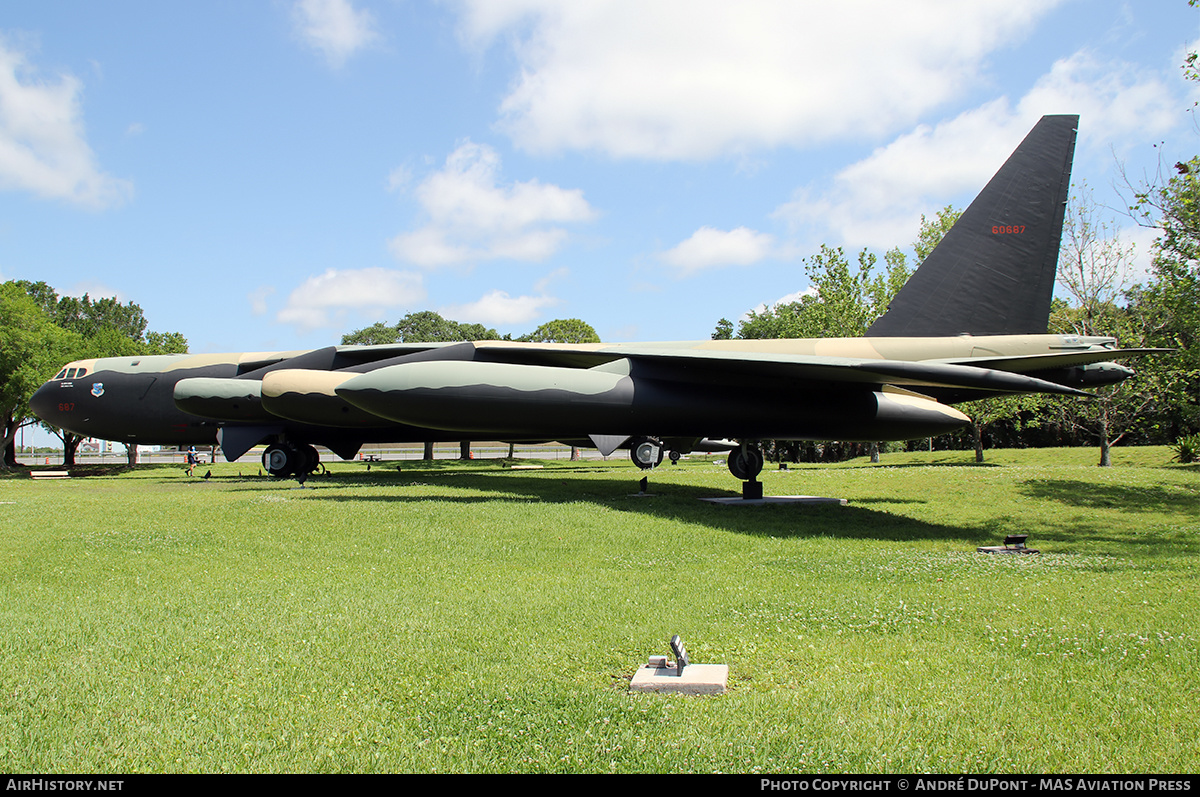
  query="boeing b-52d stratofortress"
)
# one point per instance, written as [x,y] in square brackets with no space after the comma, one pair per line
[970,323]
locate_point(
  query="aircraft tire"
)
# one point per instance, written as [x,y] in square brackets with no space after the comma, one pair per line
[646,453]
[745,463]
[280,461]
[310,458]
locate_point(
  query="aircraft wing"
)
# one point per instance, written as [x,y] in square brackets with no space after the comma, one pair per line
[385,351]
[765,369]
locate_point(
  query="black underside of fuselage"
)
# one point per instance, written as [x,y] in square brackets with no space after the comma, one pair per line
[140,409]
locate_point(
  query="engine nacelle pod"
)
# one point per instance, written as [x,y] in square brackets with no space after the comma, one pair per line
[221,399]
[307,396]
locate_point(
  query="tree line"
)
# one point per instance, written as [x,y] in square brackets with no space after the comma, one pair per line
[427,326]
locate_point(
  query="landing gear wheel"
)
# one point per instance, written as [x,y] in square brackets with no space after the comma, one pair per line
[311,459]
[675,455]
[745,463]
[646,453]
[281,461]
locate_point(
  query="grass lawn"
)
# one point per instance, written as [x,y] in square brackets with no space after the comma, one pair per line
[464,617]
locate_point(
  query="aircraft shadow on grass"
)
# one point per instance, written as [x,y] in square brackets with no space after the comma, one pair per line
[864,518]
[1171,538]
[1158,498]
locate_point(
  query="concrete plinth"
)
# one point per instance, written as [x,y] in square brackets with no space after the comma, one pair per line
[697,679]
[1002,549]
[776,499]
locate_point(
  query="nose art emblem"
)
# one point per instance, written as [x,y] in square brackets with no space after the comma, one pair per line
[97,389]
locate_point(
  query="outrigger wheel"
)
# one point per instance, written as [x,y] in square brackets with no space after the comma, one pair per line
[646,452]
[745,463]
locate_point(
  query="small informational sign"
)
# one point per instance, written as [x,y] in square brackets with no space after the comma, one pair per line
[681,657]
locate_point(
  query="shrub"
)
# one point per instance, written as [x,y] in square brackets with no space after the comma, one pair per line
[1187,449]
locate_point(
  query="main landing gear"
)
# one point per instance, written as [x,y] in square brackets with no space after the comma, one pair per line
[291,459]
[745,463]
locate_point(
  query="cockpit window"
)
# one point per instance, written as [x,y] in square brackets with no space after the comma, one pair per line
[71,373]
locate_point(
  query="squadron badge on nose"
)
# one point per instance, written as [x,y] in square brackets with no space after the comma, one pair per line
[97,389]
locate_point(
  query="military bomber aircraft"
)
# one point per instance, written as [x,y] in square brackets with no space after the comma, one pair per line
[969,323]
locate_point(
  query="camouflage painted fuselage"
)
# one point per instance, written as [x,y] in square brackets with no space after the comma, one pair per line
[786,389]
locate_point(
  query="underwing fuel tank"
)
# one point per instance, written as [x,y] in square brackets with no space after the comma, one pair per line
[552,402]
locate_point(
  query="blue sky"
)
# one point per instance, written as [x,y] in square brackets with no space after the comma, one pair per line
[271,175]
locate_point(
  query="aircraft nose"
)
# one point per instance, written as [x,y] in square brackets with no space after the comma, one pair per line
[44,403]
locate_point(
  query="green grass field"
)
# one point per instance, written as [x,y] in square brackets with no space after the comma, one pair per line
[462,617]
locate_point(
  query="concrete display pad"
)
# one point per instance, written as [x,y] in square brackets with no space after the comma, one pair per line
[776,499]
[49,474]
[1002,549]
[697,679]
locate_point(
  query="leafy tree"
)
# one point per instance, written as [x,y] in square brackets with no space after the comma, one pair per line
[1170,303]
[932,231]
[563,330]
[32,347]
[425,326]
[845,300]
[373,335]
[1168,308]
[165,343]
[1093,268]
[724,330]
[89,318]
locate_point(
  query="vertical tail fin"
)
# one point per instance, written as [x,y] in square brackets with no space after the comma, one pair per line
[993,273]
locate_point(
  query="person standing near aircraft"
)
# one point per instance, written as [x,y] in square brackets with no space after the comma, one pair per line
[192,459]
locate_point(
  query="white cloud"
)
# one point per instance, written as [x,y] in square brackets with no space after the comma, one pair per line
[1114,100]
[324,300]
[557,274]
[399,178]
[689,79]
[95,291]
[42,144]
[1143,240]
[498,308]
[878,201]
[258,298]
[795,296]
[334,28]
[472,217]
[712,248]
